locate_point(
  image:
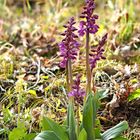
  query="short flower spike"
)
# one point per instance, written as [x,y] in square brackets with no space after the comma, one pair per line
[77,92]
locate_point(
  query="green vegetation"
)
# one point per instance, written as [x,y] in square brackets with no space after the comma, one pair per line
[34,101]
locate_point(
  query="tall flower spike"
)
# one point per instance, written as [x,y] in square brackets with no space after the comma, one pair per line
[89,25]
[77,92]
[97,54]
[69,46]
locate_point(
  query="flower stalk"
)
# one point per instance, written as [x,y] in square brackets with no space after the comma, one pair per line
[68,50]
[78,118]
[88,26]
[88,72]
[78,95]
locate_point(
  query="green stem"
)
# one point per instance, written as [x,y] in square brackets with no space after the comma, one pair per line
[88,71]
[70,78]
[78,119]
[67,78]
[70,114]
[70,73]
[19,107]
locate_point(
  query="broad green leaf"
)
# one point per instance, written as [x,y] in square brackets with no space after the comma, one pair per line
[88,117]
[17,134]
[115,131]
[71,123]
[30,136]
[82,135]
[48,124]
[47,135]
[134,95]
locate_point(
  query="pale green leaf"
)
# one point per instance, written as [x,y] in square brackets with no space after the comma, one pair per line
[30,136]
[115,131]
[48,124]
[71,123]
[82,135]
[88,117]
[47,135]
[17,134]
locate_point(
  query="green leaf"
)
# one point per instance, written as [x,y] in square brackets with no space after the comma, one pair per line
[47,135]
[30,136]
[88,117]
[32,92]
[98,124]
[96,104]
[131,10]
[17,134]
[101,94]
[134,81]
[127,31]
[71,123]
[134,95]
[115,131]
[82,135]
[45,77]
[7,114]
[60,132]
[97,133]
[2,131]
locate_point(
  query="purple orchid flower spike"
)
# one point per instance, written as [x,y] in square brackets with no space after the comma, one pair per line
[69,45]
[89,25]
[97,54]
[77,92]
